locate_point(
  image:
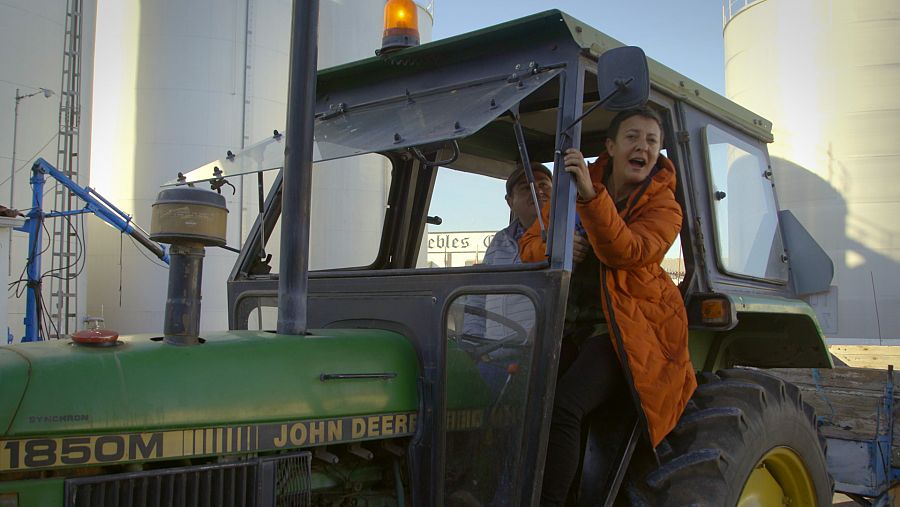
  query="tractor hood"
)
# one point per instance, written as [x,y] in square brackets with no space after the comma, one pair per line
[14,373]
[239,391]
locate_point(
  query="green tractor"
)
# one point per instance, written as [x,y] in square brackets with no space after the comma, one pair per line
[373,387]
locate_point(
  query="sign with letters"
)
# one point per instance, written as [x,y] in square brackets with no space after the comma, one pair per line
[49,452]
[459,242]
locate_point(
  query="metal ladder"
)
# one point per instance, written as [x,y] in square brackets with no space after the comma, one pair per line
[67,249]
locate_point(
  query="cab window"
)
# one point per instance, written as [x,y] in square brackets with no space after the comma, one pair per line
[471,208]
[748,239]
[347,212]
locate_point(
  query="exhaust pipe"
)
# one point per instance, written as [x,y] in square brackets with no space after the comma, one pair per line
[189,219]
[297,175]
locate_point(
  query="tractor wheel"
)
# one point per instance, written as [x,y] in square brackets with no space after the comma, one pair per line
[745,439]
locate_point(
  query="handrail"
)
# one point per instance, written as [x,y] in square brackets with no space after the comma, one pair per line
[428,5]
[730,8]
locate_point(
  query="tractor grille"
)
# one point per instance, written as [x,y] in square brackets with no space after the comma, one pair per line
[262,482]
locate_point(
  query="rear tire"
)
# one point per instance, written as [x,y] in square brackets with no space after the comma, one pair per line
[745,438]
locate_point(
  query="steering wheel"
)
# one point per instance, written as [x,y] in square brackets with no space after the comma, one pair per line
[479,345]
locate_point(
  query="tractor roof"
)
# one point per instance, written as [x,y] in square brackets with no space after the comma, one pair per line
[549,25]
[445,102]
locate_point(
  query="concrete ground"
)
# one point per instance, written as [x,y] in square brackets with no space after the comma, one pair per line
[843,501]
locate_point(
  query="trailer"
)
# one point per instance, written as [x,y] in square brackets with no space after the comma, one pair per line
[858,418]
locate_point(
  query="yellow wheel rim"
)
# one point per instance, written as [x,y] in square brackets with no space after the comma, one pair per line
[780,478]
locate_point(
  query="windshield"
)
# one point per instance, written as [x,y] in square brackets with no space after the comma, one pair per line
[403,121]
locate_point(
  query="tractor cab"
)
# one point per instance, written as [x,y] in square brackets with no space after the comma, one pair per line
[432,127]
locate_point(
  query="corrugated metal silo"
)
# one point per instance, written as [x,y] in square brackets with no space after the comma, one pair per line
[827,73]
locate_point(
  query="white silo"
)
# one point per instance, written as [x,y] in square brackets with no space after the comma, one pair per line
[827,74]
[32,37]
[169,92]
[178,84]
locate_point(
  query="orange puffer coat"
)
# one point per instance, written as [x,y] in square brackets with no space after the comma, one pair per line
[640,302]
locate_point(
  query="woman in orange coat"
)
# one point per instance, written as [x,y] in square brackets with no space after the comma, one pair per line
[624,314]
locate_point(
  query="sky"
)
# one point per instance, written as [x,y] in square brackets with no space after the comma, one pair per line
[685,35]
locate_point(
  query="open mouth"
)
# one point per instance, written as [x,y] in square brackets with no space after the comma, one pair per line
[637,162]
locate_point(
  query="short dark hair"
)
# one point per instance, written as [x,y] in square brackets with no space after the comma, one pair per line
[644,112]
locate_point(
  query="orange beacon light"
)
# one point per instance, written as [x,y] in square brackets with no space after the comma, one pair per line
[401,25]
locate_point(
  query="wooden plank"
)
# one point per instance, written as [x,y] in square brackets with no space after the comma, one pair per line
[862,379]
[850,400]
[846,414]
[867,356]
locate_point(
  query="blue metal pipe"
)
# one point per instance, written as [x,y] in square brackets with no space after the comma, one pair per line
[57,214]
[100,206]
[95,204]
[102,199]
[33,226]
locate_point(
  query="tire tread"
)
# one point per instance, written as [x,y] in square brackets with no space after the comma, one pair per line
[733,419]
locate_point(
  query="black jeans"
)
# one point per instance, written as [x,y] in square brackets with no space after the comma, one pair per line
[594,377]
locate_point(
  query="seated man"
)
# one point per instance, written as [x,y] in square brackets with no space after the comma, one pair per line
[497,324]
[504,249]
[483,323]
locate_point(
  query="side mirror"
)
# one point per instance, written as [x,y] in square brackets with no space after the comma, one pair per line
[623,82]
[623,76]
